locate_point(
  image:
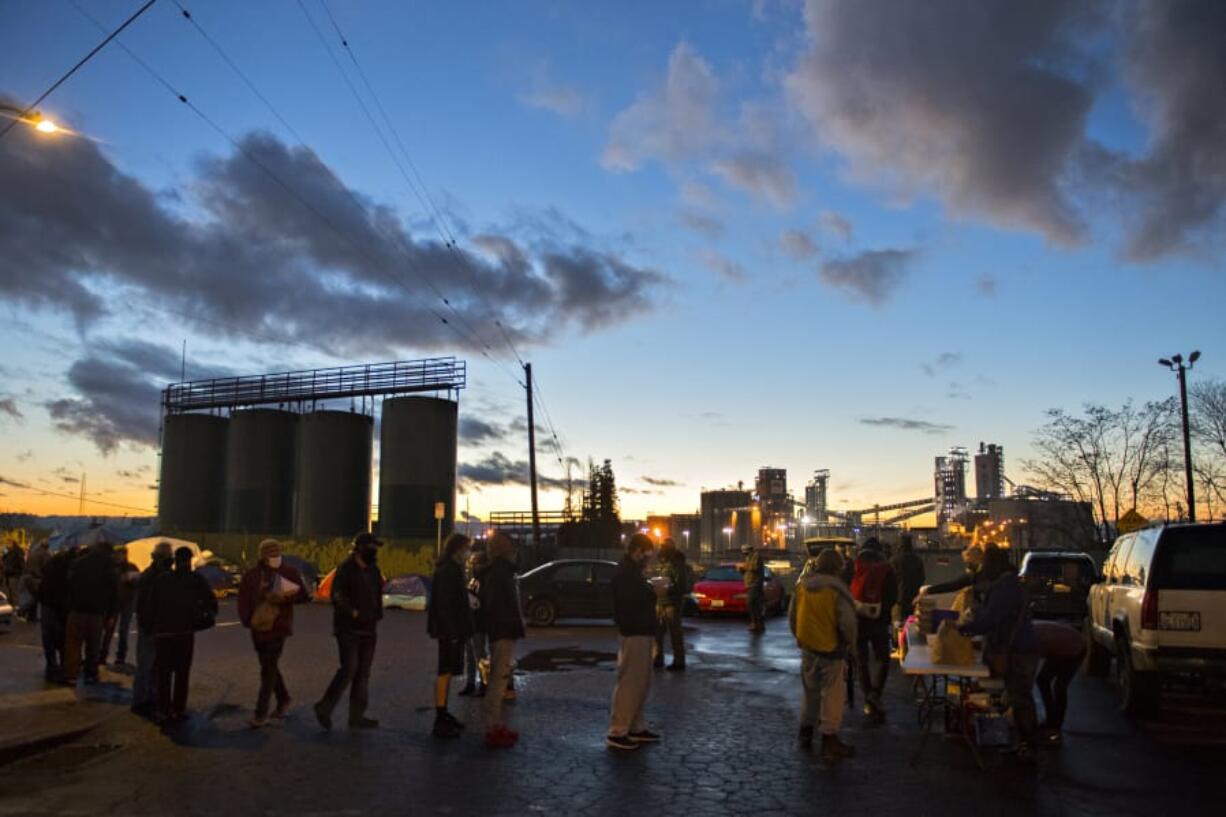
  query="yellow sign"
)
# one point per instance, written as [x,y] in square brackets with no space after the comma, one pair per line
[440,510]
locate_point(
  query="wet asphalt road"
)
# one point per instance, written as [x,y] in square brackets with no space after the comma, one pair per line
[728,722]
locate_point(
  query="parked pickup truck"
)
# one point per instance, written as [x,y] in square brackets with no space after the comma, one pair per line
[1160,611]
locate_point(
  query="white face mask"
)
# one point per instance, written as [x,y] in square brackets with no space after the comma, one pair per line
[274,562]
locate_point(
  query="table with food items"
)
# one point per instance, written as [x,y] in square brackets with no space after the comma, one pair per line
[951,681]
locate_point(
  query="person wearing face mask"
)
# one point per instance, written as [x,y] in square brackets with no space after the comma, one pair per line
[449,620]
[357,607]
[634,613]
[142,682]
[266,598]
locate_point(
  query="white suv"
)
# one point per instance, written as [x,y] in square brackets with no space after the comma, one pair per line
[1160,610]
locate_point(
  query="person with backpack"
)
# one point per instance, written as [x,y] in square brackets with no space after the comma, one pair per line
[449,620]
[182,604]
[754,573]
[875,591]
[669,606]
[1010,647]
[822,617]
[267,594]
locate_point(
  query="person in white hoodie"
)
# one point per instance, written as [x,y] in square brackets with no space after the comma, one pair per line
[822,616]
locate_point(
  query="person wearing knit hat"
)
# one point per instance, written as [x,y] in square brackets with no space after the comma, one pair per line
[267,594]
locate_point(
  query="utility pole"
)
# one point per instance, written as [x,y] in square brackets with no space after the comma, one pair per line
[536,516]
[1176,364]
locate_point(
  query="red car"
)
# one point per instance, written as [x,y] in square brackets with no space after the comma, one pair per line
[722,590]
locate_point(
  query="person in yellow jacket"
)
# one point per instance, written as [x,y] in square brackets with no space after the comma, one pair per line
[822,616]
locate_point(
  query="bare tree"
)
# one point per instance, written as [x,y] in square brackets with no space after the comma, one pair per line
[1207,417]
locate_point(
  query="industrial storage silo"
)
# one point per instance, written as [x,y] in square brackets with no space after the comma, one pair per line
[192,488]
[260,453]
[333,468]
[417,465]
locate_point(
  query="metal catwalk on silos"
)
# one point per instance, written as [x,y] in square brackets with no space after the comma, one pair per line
[369,380]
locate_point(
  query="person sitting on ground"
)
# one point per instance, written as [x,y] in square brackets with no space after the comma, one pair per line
[449,621]
[1061,649]
[822,617]
[1010,646]
[275,587]
[634,613]
[504,625]
[181,598]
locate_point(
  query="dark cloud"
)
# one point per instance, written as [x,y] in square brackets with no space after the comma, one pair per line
[797,244]
[661,482]
[870,276]
[498,469]
[343,271]
[945,360]
[906,424]
[8,407]
[980,103]
[118,388]
[477,431]
[1175,57]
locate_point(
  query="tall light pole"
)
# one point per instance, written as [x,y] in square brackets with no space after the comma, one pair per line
[1176,364]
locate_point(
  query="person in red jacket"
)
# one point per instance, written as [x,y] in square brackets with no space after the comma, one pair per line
[271,588]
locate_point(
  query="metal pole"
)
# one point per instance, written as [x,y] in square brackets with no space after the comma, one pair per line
[536,516]
[1187,442]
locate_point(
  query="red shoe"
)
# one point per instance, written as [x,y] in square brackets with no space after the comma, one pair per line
[499,738]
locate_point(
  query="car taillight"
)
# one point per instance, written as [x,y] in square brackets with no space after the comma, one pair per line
[1149,610]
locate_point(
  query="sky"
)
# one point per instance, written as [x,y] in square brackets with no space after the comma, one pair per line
[727,235]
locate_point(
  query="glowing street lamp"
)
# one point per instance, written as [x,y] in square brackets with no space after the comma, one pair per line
[34,119]
[1175,364]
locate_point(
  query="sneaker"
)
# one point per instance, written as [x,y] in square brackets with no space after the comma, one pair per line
[282,709]
[805,737]
[259,722]
[499,738]
[363,723]
[620,742]
[323,716]
[644,736]
[444,728]
[834,750]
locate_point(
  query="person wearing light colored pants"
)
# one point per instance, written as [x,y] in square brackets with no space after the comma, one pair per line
[824,691]
[502,654]
[633,685]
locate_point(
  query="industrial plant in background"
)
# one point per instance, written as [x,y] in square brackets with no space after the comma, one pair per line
[271,454]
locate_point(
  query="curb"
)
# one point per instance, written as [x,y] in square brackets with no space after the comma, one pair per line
[29,746]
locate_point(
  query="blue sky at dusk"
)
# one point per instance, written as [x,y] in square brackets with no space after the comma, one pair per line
[841,235]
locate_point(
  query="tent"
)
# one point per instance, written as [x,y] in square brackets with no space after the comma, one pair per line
[410,591]
[140,551]
[324,591]
[90,534]
[310,576]
[223,582]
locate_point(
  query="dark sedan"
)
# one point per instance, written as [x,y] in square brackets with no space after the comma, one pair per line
[567,588]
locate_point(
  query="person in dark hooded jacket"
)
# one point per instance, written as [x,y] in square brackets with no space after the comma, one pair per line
[93,599]
[144,694]
[449,621]
[1009,641]
[180,598]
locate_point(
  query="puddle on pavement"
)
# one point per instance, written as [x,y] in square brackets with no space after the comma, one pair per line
[563,659]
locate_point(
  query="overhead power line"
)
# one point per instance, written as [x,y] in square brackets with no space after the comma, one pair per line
[34,105]
[21,486]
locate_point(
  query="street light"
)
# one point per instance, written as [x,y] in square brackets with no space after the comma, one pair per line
[34,119]
[1176,364]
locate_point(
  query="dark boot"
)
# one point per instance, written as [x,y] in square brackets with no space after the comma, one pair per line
[835,750]
[445,727]
[805,737]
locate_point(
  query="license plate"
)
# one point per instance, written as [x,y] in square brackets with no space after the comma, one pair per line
[717,602]
[1179,621]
